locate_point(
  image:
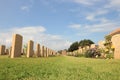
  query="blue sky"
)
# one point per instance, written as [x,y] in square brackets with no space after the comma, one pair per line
[58,23]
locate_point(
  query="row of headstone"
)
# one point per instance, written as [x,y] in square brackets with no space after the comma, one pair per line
[3,50]
[16,49]
[82,50]
[64,52]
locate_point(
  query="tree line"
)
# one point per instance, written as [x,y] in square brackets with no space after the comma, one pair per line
[82,43]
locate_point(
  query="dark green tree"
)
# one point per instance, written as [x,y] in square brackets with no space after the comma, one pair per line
[85,42]
[73,46]
[82,43]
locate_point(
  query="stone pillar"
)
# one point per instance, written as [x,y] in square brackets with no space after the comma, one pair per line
[64,52]
[23,52]
[116,43]
[42,51]
[93,46]
[38,50]
[47,50]
[7,51]
[54,53]
[30,51]
[101,44]
[2,50]
[87,47]
[16,46]
[51,52]
[10,49]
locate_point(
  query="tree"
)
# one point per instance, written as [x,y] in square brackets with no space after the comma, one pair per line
[73,46]
[108,38]
[85,42]
[60,51]
[108,43]
[82,43]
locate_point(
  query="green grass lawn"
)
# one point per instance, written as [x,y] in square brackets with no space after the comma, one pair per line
[58,68]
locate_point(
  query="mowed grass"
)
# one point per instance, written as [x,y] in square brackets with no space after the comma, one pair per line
[59,68]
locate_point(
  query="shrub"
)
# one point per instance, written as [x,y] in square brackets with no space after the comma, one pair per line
[69,55]
[79,55]
[110,55]
[92,53]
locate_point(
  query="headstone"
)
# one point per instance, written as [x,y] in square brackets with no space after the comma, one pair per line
[38,50]
[83,49]
[2,50]
[87,47]
[7,51]
[16,46]
[30,51]
[101,44]
[42,51]
[93,46]
[116,42]
[80,50]
[64,52]
[50,52]
[10,49]
[54,53]
[46,52]
[23,52]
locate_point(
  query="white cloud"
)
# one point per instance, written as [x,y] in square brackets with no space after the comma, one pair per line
[115,3]
[38,35]
[75,26]
[101,12]
[102,27]
[105,26]
[92,16]
[31,29]
[5,38]
[25,8]
[85,2]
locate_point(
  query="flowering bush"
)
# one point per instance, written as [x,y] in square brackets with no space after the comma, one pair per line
[92,53]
